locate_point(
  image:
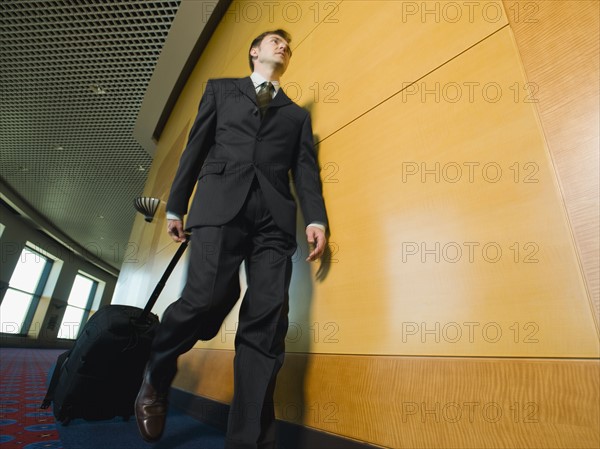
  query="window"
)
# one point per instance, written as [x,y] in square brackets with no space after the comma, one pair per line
[24,291]
[78,306]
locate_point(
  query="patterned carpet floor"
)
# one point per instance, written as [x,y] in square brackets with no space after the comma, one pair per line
[23,425]
[23,374]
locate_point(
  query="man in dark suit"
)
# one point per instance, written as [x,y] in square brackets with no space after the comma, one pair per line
[246,139]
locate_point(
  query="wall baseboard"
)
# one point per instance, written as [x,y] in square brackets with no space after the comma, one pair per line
[290,435]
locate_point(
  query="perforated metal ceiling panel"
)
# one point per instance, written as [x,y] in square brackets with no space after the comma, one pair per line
[72,78]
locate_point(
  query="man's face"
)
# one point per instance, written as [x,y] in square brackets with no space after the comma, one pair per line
[273,50]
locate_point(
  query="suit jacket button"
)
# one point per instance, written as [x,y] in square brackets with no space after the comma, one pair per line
[259,138]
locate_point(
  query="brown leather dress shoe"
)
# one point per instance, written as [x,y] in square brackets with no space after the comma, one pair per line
[150,411]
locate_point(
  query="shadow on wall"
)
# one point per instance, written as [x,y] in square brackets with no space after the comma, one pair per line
[290,398]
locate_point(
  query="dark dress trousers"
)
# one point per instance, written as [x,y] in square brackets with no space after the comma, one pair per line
[243,211]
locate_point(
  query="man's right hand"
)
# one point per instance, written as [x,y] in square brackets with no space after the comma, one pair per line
[175,230]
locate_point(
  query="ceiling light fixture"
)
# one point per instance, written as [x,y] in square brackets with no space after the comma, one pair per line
[147,206]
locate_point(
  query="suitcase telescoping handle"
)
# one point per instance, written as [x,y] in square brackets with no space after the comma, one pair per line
[163,280]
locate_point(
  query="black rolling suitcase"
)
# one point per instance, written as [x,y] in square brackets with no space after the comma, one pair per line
[100,376]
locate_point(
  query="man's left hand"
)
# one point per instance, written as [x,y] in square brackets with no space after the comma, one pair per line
[316,237]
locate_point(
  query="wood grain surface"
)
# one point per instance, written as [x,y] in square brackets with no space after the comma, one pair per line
[559,43]
[424,402]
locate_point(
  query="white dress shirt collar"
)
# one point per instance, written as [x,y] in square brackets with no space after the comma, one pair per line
[258,79]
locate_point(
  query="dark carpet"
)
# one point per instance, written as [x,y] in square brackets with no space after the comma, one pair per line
[181,432]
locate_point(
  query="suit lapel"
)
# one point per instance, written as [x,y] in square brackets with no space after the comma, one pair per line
[280,99]
[246,86]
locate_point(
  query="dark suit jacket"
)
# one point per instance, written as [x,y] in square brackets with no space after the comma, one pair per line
[229,145]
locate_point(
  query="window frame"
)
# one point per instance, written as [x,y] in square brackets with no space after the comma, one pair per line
[87,310]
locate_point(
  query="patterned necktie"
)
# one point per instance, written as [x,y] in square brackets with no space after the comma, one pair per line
[264,96]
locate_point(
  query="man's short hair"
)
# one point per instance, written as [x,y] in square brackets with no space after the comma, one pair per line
[258,39]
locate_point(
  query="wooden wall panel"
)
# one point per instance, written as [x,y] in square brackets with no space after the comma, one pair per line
[391,226]
[422,402]
[559,43]
[443,260]
[340,71]
[208,373]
